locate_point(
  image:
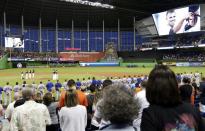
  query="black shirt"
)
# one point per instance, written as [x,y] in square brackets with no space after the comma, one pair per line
[181,118]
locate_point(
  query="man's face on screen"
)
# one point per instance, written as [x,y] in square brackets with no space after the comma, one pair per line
[171,18]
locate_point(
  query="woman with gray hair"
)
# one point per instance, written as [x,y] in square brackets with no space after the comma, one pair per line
[119,107]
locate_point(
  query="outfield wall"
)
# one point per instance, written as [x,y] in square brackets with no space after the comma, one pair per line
[4,63]
[185,64]
[97,64]
[138,64]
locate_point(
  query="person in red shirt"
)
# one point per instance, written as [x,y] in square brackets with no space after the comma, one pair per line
[81,96]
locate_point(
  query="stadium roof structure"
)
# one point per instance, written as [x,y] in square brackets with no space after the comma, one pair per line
[49,10]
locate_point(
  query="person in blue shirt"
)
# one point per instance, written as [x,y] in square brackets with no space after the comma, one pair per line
[1,90]
[58,85]
[78,84]
[49,86]
[94,81]
[99,83]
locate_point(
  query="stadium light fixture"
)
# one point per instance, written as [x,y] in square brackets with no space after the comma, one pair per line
[89,3]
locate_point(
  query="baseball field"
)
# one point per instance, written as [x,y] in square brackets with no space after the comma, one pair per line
[45,74]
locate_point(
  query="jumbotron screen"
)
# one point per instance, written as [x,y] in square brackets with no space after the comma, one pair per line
[14,42]
[179,20]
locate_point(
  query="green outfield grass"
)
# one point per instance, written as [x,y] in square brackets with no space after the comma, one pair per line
[43,74]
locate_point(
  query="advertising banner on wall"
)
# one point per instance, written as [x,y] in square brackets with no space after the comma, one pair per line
[95,64]
[196,64]
[169,63]
[190,64]
[81,56]
[182,64]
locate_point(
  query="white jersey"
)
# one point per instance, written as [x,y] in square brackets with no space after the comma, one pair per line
[198,78]
[29,75]
[88,83]
[7,89]
[17,88]
[34,87]
[22,75]
[124,80]
[41,87]
[26,76]
[83,83]
[129,80]
[65,85]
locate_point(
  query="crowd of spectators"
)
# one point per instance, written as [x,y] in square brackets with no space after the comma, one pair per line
[160,101]
[35,56]
[1,53]
[185,56]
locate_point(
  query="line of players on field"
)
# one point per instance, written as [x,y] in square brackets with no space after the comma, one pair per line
[55,88]
[28,75]
[31,75]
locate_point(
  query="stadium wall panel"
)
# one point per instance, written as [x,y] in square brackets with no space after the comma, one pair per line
[94,64]
[138,64]
[4,63]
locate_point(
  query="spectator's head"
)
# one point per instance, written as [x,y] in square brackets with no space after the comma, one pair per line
[143,84]
[106,83]
[71,83]
[47,99]
[71,98]
[17,83]
[119,105]
[38,97]
[41,82]
[16,96]
[186,80]
[162,88]
[28,93]
[92,88]
[185,92]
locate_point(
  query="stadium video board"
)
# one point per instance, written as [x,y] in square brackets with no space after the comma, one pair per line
[179,20]
[14,42]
